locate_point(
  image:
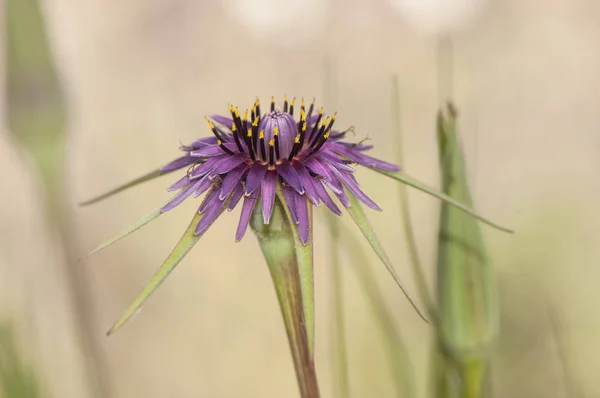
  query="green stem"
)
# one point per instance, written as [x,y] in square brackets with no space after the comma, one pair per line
[281,254]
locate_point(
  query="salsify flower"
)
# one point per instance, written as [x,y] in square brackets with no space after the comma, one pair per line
[250,155]
[258,157]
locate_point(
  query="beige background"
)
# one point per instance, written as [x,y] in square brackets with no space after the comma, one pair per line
[141,75]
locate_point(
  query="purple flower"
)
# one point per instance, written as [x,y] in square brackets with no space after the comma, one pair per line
[249,156]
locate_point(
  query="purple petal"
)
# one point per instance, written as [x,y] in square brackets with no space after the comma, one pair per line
[362,159]
[181,197]
[213,210]
[350,182]
[201,143]
[238,192]
[303,223]
[255,177]
[182,182]
[336,186]
[225,121]
[247,208]
[178,163]
[332,159]
[290,175]
[316,167]
[231,180]
[267,195]
[208,199]
[203,186]
[290,198]
[307,182]
[213,150]
[324,196]
[207,166]
[227,164]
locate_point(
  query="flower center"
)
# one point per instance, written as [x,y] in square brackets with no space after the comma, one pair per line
[279,129]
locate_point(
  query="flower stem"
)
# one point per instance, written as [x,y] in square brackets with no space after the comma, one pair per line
[283,257]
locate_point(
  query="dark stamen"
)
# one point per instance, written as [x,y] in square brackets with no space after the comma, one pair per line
[299,140]
[215,131]
[292,106]
[250,146]
[255,133]
[320,144]
[276,139]
[257,109]
[310,109]
[262,145]
[224,148]
[271,157]
[285,104]
[236,136]
[314,129]
[325,129]
[272,104]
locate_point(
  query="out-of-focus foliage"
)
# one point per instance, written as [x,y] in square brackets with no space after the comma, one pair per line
[17,379]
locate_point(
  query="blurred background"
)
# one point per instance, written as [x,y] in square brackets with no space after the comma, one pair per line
[138,77]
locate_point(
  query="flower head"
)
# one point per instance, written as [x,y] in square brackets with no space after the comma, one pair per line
[250,154]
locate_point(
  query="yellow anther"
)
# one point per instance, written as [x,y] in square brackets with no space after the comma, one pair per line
[297,140]
[327,135]
[246,115]
[230,108]
[255,123]
[285,98]
[210,124]
[302,115]
[249,132]
[304,127]
[272,143]
[320,110]
[219,143]
[276,130]
[325,121]
[237,112]
[302,103]
[334,116]
[261,135]
[293,100]
[233,126]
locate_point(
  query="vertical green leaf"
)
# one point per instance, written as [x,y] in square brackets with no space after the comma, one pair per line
[466,294]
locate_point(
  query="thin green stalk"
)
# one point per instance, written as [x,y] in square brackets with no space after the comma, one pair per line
[396,349]
[340,355]
[411,243]
[281,253]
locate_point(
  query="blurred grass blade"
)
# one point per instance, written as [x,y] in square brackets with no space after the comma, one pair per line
[147,177]
[340,355]
[406,179]
[358,215]
[290,265]
[466,295]
[17,380]
[185,244]
[404,206]
[402,371]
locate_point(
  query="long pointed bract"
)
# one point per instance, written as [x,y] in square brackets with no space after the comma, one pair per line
[404,178]
[146,177]
[132,228]
[358,215]
[185,244]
